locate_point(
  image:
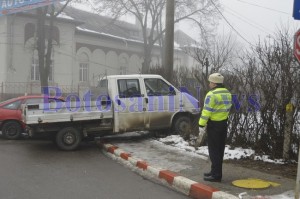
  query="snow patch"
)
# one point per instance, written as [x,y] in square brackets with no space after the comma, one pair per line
[229,154]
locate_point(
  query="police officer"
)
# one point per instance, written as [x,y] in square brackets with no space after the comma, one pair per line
[214,117]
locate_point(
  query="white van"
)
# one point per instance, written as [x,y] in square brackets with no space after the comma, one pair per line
[123,103]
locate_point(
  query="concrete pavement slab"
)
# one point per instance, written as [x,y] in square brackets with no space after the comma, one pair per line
[184,179]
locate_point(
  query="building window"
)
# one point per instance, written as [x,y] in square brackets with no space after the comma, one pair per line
[83,67]
[50,77]
[83,72]
[35,71]
[30,31]
[123,70]
[124,66]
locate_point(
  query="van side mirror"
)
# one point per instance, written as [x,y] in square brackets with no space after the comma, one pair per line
[172,91]
[118,102]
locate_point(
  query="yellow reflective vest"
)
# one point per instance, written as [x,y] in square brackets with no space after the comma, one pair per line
[217,105]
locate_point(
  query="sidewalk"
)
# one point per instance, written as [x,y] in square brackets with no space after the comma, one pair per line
[189,179]
[232,172]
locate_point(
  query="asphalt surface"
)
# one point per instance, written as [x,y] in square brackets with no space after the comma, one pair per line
[193,167]
[35,169]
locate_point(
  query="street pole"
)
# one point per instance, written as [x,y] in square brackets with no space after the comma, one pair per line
[296,15]
[298,178]
[169,39]
[206,67]
[2,90]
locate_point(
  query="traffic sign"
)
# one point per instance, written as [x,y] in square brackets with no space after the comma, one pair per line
[297,45]
[296,10]
[14,6]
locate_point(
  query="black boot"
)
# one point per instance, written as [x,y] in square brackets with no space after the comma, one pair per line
[212,179]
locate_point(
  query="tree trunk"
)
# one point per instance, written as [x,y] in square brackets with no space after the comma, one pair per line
[41,34]
[44,51]
[147,59]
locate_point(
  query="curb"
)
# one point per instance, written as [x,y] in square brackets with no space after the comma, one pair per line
[182,184]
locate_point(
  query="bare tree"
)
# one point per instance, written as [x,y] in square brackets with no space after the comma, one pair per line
[213,55]
[44,46]
[150,12]
[269,71]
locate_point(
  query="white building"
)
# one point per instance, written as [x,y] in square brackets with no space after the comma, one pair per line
[87,46]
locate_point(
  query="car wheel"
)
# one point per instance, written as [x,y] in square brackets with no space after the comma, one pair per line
[182,126]
[68,139]
[12,130]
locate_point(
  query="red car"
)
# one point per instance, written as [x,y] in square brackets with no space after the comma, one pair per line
[11,123]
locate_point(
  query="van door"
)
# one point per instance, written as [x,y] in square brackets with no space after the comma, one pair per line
[161,102]
[131,106]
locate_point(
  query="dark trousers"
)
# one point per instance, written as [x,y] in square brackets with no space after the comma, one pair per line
[216,138]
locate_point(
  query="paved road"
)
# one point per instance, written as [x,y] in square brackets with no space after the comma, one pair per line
[35,169]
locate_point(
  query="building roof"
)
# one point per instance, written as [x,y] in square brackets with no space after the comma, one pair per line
[183,39]
[93,23]
[108,26]
[102,24]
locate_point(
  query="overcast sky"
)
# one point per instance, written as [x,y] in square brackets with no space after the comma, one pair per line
[254,18]
[248,19]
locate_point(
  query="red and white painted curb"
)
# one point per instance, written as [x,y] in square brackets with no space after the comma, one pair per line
[184,185]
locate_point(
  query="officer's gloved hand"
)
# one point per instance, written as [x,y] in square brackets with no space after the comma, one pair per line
[200,137]
[201,131]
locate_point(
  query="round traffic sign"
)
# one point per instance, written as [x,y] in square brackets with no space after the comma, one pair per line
[297,45]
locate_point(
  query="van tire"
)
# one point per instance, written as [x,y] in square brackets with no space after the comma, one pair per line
[182,126]
[11,130]
[68,139]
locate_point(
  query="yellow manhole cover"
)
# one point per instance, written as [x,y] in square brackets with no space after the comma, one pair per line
[254,184]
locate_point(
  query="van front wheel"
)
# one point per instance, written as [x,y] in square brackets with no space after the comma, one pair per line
[182,126]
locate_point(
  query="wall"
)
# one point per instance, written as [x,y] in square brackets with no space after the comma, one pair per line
[107,56]
[3,48]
